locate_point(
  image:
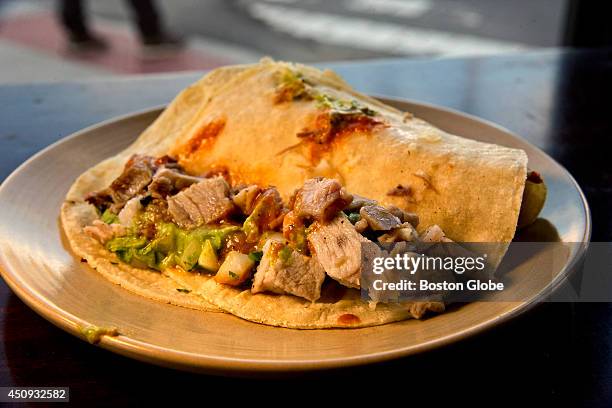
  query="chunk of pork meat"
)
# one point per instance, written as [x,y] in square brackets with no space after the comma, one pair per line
[358,202]
[267,214]
[294,274]
[168,182]
[404,216]
[136,176]
[379,218]
[337,246]
[434,234]
[321,199]
[201,203]
[404,232]
[102,232]
[130,211]
[245,197]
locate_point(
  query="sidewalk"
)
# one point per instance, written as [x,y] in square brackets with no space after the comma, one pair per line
[33,48]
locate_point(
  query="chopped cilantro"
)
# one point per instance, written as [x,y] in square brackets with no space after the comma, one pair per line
[233,275]
[183,290]
[324,101]
[256,256]
[354,217]
[342,106]
[367,111]
[292,86]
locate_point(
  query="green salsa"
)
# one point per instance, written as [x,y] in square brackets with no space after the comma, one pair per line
[109,217]
[285,254]
[93,334]
[171,246]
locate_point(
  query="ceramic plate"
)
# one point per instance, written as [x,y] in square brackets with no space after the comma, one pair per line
[37,265]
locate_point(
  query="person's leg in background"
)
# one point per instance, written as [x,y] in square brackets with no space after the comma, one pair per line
[152,32]
[73,18]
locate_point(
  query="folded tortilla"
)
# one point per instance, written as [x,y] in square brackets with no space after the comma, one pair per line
[233,121]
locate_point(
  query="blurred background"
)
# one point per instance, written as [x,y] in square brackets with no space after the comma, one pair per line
[45,40]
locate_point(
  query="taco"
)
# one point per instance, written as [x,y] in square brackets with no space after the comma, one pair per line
[255,188]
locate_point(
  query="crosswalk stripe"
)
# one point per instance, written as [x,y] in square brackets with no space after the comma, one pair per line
[375,35]
[399,8]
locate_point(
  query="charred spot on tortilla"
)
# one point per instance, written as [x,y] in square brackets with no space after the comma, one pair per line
[403,191]
[400,191]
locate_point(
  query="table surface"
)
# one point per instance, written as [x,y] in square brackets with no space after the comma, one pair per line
[560,100]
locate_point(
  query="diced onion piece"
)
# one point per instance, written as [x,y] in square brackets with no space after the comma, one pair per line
[235,269]
[270,236]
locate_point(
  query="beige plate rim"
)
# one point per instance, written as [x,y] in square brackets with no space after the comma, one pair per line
[209,363]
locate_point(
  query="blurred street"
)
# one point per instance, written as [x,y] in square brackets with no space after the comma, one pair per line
[234,31]
[316,30]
